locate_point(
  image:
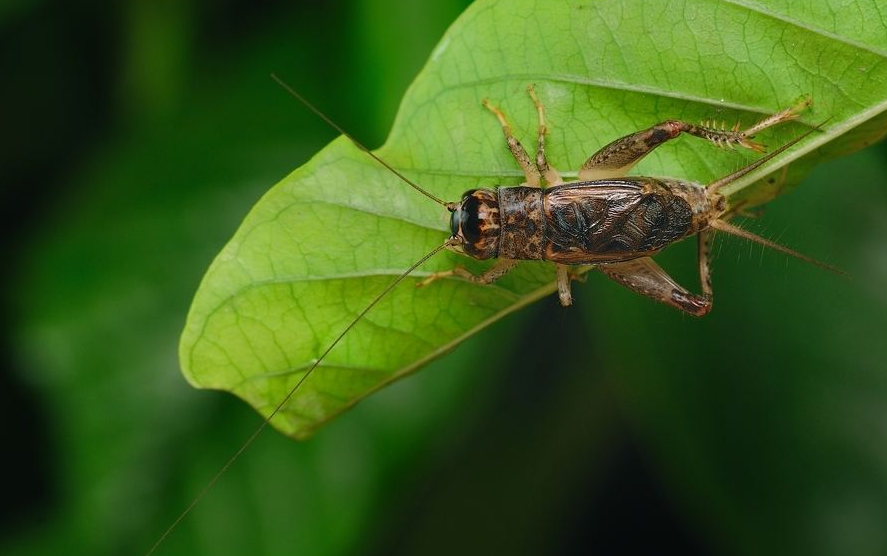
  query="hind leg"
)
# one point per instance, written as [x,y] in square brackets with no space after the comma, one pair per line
[617,158]
[647,278]
[703,256]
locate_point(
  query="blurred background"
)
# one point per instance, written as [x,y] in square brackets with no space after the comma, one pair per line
[136,135]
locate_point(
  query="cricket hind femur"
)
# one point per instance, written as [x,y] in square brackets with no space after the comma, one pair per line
[475,222]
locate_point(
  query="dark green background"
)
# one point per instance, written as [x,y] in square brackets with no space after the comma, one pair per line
[136,135]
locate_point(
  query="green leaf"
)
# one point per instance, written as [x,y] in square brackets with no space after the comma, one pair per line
[328,238]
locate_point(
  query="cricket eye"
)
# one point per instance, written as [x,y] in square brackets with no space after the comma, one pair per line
[456,221]
[469,220]
[464,221]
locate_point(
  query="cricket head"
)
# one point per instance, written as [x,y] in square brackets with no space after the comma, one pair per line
[475,224]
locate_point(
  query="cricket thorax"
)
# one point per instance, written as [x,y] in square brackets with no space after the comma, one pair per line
[523,223]
[476,223]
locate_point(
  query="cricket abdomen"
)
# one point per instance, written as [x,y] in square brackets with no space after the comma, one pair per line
[614,220]
[598,221]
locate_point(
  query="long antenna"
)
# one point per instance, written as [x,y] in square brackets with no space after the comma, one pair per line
[714,186]
[450,206]
[289,395]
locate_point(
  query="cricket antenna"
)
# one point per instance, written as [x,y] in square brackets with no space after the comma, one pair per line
[714,186]
[292,391]
[728,228]
[449,206]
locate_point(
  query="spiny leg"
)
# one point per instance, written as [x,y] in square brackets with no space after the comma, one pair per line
[703,252]
[617,158]
[647,278]
[520,154]
[489,276]
[552,177]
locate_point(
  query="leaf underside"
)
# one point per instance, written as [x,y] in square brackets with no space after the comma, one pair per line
[322,243]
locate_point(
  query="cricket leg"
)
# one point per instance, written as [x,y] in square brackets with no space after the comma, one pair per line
[564,291]
[531,173]
[489,276]
[566,275]
[617,158]
[552,177]
[647,278]
[703,255]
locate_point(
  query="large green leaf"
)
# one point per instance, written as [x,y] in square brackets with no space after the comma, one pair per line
[329,237]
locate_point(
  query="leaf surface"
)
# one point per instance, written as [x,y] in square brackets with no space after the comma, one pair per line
[321,244]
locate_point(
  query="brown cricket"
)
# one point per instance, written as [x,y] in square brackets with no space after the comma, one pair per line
[605,218]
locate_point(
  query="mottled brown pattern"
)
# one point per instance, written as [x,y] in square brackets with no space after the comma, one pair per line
[630,149]
[523,230]
[612,220]
[580,223]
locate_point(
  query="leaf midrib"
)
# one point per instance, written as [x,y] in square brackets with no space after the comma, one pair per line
[733,188]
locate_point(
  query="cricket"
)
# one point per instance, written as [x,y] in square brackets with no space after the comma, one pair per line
[606,218]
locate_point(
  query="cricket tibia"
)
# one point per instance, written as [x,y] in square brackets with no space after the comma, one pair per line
[716,185]
[728,228]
